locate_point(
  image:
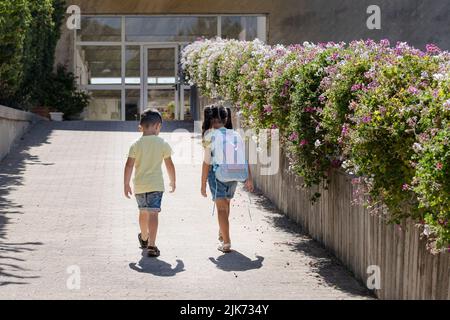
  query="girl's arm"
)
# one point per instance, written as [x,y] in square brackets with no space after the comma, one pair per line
[205,171]
[249,183]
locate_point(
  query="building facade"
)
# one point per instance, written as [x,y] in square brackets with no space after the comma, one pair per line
[126,53]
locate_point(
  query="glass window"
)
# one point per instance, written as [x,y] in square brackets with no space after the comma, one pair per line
[160,29]
[163,100]
[100,29]
[99,65]
[104,105]
[133,65]
[239,28]
[161,66]
[132,104]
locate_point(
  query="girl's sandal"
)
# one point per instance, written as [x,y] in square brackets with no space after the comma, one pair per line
[225,247]
[153,252]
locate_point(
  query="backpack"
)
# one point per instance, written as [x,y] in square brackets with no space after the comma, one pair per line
[228,156]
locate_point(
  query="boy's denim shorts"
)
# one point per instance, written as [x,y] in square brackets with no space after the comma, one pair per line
[150,201]
[219,189]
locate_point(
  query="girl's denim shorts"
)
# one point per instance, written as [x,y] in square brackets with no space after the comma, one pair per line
[219,189]
[150,201]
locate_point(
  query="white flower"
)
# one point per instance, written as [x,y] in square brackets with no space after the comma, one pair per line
[427,230]
[317,143]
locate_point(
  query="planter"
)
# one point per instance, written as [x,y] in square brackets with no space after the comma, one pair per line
[41,111]
[56,116]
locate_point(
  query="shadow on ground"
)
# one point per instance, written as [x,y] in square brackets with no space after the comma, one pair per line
[236,261]
[157,267]
[12,169]
[327,267]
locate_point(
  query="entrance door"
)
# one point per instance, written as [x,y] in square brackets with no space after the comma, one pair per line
[160,80]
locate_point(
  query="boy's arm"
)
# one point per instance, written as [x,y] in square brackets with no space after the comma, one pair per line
[172,174]
[127,177]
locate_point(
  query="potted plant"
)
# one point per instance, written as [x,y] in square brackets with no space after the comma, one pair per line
[63,96]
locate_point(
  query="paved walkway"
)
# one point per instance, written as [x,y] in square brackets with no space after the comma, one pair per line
[61,205]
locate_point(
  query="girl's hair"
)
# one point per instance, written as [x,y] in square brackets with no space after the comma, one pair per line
[216,112]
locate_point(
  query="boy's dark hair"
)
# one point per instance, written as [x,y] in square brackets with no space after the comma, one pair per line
[150,118]
[216,112]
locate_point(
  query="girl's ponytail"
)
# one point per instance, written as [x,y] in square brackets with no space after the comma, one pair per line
[229,123]
[207,117]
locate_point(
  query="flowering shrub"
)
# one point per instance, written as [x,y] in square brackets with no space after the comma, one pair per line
[377,111]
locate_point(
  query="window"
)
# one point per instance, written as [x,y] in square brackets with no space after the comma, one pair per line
[100,29]
[239,28]
[99,65]
[169,29]
[104,105]
[133,65]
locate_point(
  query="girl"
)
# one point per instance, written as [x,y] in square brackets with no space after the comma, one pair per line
[219,118]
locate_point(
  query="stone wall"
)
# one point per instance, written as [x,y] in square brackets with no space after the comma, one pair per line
[13,124]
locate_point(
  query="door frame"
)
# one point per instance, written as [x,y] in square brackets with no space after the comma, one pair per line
[144,76]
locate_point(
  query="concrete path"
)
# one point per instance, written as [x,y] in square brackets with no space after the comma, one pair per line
[62,212]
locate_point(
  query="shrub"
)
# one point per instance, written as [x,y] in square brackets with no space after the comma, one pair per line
[62,94]
[376,111]
[29,31]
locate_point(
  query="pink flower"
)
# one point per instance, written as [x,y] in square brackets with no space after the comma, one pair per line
[433,49]
[366,119]
[293,136]
[304,142]
[274,126]
[268,109]
[439,166]
[405,187]
[345,130]
[413,90]
[356,87]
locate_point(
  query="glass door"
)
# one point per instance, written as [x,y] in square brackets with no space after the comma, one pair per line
[160,80]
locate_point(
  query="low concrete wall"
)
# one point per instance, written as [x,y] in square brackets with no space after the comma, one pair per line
[359,239]
[13,124]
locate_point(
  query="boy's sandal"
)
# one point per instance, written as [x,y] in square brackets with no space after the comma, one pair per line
[142,242]
[225,247]
[153,252]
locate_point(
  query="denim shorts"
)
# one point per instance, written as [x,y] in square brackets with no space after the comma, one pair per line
[219,189]
[150,201]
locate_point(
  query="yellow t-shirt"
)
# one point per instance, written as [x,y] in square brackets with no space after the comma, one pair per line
[149,153]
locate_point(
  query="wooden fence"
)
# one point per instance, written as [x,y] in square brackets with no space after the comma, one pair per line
[359,239]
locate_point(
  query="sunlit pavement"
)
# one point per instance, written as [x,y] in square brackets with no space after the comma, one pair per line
[67,232]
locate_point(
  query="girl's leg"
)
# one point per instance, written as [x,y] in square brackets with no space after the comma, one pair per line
[143,224]
[152,228]
[223,212]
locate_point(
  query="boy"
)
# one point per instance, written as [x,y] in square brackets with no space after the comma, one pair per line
[146,156]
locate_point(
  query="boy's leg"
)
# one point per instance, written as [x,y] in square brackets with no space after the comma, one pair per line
[223,212]
[152,228]
[143,224]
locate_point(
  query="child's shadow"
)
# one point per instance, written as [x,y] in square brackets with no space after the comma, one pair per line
[235,261]
[157,267]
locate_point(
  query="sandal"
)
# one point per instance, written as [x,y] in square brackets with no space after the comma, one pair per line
[153,252]
[225,247]
[142,242]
